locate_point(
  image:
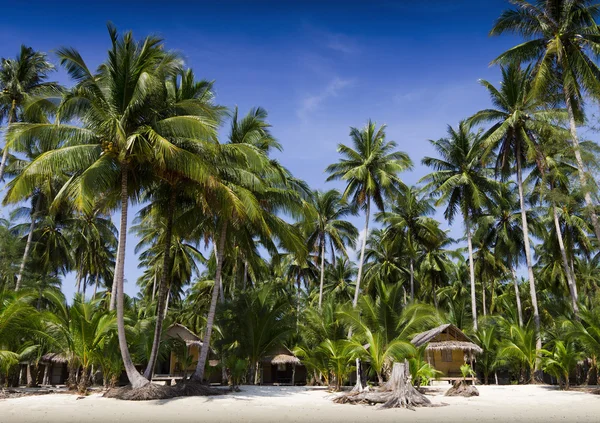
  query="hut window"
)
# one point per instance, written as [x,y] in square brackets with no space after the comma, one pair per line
[447,356]
[281,367]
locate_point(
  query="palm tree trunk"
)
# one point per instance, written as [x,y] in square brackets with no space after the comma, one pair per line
[162,286]
[358,387]
[583,178]
[563,254]
[322,270]
[534,304]
[221,288]
[518,296]
[412,281]
[245,279]
[11,115]
[135,378]
[97,279]
[199,373]
[483,305]
[472,274]
[113,297]
[78,283]
[153,286]
[362,254]
[28,244]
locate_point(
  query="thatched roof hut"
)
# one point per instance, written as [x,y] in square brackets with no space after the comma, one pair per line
[54,358]
[446,337]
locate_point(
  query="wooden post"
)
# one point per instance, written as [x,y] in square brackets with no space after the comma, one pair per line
[46,371]
[293,374]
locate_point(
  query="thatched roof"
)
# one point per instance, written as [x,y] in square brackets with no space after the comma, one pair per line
[281,355]
[283,359]
[55,358]
[178,331]
[446,337]
[454,345]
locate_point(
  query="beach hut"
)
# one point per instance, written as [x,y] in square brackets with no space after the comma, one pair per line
[282,367]
[174,368]
[55,369]
[447,349]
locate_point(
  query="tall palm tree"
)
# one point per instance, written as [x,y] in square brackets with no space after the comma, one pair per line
[410,215]
[123,134]
[22,79]
[257,188]
[552,185]
[461,180]
[561,38]
[327,226]
[370,169]
[517,120]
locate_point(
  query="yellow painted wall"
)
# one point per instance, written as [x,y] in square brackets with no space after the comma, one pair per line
[448,368]
[193,351]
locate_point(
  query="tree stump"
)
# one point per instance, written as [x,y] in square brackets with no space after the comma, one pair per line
[397,393]
[462,389]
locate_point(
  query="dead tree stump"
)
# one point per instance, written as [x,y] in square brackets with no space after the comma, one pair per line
[397,393]
[462,389]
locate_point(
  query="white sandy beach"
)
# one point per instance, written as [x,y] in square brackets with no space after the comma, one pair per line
[299,404]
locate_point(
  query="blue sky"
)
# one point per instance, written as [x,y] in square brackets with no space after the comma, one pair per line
[317,67]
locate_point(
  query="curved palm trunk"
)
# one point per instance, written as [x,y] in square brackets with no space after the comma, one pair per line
[534,304]
[113,297]
[11,115]
[135,378]
[518,296]
[162,287]
[27,246]
[472,275]
[322,270]
[583,178]
[563,254]
[483,299]
[199,373]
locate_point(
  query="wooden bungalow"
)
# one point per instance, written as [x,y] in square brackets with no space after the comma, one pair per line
[447,349]
[282,367]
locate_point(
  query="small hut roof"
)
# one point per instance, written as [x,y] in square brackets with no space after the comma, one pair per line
[284,359]
[55,358]
[179,331]
[460,341]
[454,345]
[282,356]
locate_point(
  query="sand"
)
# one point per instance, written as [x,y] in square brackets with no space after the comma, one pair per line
[300,404]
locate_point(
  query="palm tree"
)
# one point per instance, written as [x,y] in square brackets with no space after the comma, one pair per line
[517,121]
[256,189]
[22,80]
[370,170]
[410,215]
[326,226]
[461,180]
[124,133]
[561,36]
[551,184]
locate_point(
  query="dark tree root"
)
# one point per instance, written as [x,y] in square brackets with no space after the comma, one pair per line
[397,393]
[152,391]
[462,389]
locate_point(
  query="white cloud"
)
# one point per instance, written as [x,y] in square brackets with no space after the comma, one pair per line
[312,102]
